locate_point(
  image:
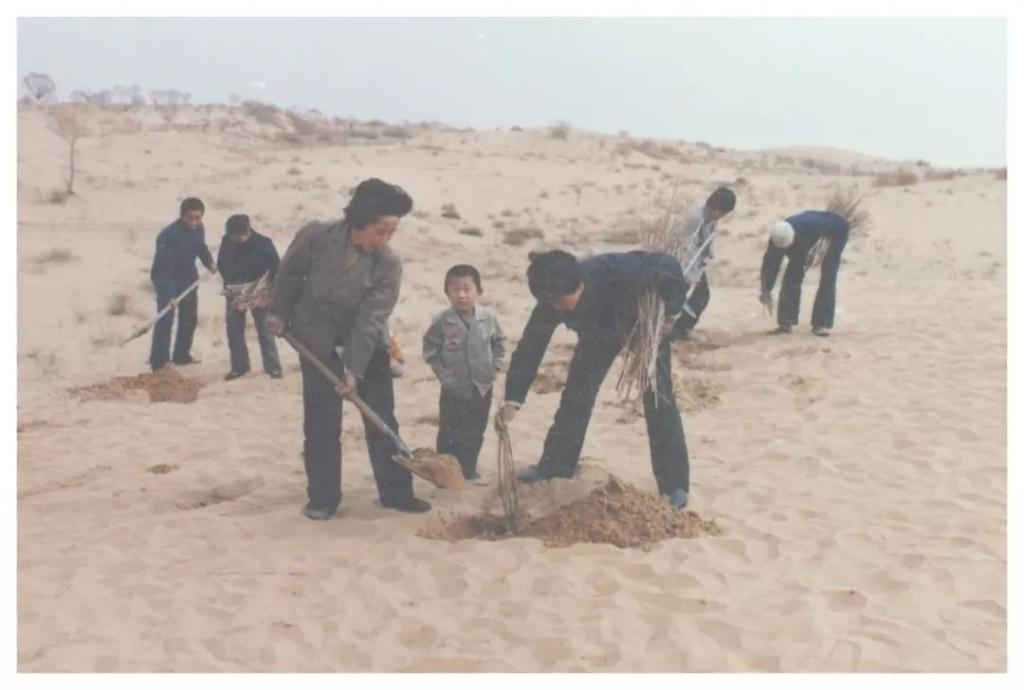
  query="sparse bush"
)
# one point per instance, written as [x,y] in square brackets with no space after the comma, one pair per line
[518,236]
[559,131]
[294,171]
[263,113]
[516,128]
[396,132]
[825,167]
[471,231]
[119,304]
[941,174]
[899,178]
[448,211]
[58,196]
[57,255]
[363,134]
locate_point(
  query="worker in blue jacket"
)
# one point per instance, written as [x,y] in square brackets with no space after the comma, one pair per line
[174,269]
[598,298]
[794,238]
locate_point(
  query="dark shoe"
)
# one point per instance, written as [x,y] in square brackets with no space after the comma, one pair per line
[408,505]
[318,513]
[678,499]
[232,375]
[820,331]
[274,374]
[782,330]
[531,475]
[186,362]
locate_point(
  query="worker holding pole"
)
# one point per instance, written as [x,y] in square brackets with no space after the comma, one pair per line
[174,278]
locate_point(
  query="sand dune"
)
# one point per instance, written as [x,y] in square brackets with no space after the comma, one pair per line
[859,482]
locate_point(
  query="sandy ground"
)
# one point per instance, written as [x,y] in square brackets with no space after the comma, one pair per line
[859,482]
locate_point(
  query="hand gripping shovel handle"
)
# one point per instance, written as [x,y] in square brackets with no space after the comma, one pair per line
[145,329]
[348,394]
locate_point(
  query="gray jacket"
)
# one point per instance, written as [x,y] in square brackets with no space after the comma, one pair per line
[464,357]
[329,292]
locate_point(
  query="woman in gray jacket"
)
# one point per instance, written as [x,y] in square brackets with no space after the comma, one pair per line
[335,289]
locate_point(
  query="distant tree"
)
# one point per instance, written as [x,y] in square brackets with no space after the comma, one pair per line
[40,86]
[69,124]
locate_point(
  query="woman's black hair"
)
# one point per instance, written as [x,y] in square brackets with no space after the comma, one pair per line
[374,198]
[191,204]
[553,274]
[463,271]
[722,199]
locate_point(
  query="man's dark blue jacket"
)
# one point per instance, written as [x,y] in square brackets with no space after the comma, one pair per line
[607,309]
[174,264]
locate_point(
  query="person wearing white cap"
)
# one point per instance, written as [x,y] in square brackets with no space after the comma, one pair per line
[793,238]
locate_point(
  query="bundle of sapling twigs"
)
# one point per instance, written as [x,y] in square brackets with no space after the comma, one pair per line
[252,295]
[640,353]
[846,203]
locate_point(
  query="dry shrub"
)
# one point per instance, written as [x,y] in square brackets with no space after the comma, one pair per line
[559,131]
[358,133]
[899,178]
[294,171]
[518,236]
[119,305]
[397,132]
[263,113]
[449,211]
[825,167]
[471,231]
[57,255]
[59,196]
[941,174]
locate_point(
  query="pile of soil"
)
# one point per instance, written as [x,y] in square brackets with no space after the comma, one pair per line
[615,513]
[165,385]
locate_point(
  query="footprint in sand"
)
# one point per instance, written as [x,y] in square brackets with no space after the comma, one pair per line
[844,599]
[231,491]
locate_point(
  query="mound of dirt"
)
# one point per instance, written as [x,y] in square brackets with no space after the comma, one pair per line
[165,385]
[615,513]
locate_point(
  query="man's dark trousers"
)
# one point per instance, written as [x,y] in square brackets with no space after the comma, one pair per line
[587,370]
[462,425]
[188,317]
[824,312]
[235,322]
[322,427]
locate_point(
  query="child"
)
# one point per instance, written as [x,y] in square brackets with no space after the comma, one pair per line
[465,347]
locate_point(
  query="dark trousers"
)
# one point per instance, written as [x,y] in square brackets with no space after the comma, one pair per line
[462,426]
[698,302]
[235,322]
[824,312]
[188,317]
[322,428]
[587,370]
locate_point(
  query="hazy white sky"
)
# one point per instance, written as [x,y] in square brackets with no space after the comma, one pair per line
[903,88]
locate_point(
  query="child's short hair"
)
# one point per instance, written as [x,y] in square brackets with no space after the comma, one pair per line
[463,271]
[722,199]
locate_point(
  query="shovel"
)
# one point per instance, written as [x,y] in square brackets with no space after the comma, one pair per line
[440,470]
[145,329]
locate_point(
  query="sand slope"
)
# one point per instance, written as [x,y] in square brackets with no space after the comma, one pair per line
[859,481]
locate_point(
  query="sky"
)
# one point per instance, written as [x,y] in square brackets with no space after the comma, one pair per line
[920,88]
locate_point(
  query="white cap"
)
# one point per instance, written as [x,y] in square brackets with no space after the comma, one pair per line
[781,234]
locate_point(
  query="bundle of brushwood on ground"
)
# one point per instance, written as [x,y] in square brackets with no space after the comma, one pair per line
[640,354]
[846,203]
